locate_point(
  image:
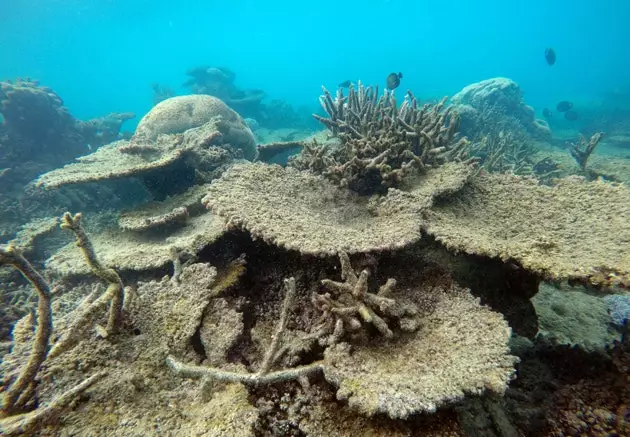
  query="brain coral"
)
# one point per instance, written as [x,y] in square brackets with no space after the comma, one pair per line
[178,114]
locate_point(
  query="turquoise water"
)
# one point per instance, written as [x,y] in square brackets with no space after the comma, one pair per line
[103,56]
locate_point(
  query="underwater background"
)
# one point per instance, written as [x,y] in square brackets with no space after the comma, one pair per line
[102,56]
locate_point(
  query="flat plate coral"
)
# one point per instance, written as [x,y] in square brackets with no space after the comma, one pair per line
[575,230]
[304,212]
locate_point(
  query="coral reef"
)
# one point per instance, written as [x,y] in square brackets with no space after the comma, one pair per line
[219,82]
[36,125]
[332,350]
[572,230]
[380,143]
[170,164]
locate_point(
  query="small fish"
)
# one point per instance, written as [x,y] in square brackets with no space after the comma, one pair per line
[393,80]
[550,56]
[564,106]
[345,84]
[547,113]
[571,115]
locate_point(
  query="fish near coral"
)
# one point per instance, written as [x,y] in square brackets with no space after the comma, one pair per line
[393,80]
[345,84]
[547,113]
[550,56]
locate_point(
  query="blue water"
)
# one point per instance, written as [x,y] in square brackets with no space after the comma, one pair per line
[101,56]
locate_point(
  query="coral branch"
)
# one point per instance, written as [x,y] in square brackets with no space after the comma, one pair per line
[115,288]
[25,424]
[14,399]
[583,149]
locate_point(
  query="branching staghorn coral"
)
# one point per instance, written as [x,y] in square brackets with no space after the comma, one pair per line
[351,305]
[381,143]
[264,375]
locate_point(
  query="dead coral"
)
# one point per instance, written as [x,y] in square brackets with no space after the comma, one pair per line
[201,141]
[135,251]
[582,150]
[32,231]
[175,217]
[459,348]
[114,290]
[14,398]
[351,305]
[301,211]
[572,230]
[380,142]
[20,390]
[264,375]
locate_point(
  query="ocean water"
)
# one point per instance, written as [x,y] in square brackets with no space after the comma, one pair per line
[102,56]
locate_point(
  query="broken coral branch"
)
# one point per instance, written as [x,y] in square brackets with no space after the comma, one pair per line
[264,375]
[26,424]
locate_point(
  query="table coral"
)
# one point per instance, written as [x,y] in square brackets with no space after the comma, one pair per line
[573,230]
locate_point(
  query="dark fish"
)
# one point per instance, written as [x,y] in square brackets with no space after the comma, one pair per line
[571,115]
[550,56]
[345,84]
[564,106]
[547,113]
[393,80]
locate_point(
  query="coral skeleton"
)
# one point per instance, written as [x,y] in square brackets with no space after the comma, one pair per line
[351,305]
[114,291]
